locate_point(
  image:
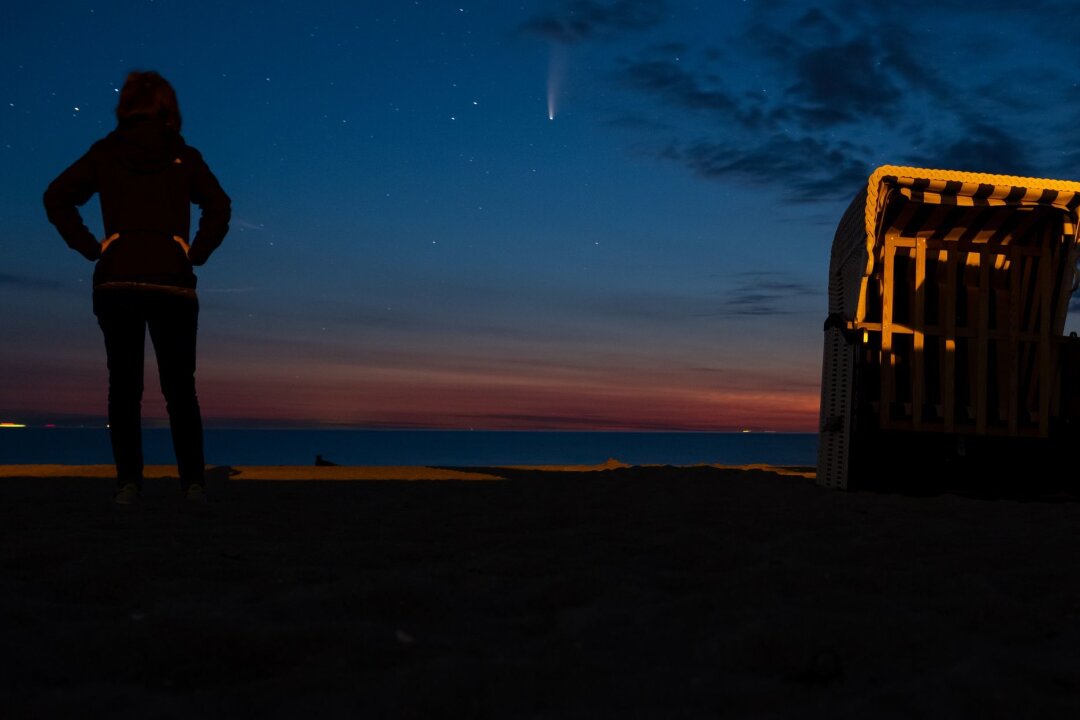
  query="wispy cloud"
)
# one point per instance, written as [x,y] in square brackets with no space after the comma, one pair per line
[665,76]
[572,21]
[26,282]
[806,168]
[227,290]
[743,294]
[759,294]
[246,224]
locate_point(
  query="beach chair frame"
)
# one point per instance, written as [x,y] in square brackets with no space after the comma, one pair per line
[948,293]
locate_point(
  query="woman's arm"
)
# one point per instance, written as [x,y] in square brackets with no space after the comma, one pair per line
[216,210]
[69,191]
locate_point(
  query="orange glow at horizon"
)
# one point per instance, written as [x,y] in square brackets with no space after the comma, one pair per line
[453,401]
[461,394]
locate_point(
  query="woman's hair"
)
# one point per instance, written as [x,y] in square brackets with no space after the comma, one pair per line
[147,93]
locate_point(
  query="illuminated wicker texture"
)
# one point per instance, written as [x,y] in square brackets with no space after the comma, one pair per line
[947,295]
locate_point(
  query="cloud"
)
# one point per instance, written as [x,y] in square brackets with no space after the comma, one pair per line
[573,21]
[557,421]
[227,289]
[750,137]
[739,377]
[668,79]
[808,102]
[25,282]
[246,224]
[753,293]
[760,294]
[983,147]
[842,83]
[802,169]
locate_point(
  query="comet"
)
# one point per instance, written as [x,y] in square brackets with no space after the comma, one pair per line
[556,71]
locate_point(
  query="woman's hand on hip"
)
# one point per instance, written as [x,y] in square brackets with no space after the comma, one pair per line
[180,241]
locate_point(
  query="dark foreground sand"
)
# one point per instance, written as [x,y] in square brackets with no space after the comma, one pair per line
[639,592]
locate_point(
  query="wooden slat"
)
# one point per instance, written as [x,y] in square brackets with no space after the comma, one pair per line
[967,246]
[929,227]
[1013,342]
[1045,357]
[982,344]
[1029,308]
[1064,262]
[948,391]
[947,250]
[888,364]
[918,321]
[936,330]
[978,260]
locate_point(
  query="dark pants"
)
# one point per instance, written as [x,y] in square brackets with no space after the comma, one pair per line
[124,315]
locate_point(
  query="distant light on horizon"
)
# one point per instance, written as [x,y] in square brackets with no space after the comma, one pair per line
[11,425]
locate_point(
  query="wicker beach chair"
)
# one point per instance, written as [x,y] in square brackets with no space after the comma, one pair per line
[947,300]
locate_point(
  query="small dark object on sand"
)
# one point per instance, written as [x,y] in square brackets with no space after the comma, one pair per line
[320,462]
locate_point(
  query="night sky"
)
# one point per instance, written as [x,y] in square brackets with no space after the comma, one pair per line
[576,214]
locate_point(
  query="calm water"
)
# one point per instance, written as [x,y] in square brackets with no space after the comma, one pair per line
[420,447]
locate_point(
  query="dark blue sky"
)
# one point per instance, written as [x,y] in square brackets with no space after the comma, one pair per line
[416,243]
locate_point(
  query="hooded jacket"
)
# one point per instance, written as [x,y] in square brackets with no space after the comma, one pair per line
[146,177]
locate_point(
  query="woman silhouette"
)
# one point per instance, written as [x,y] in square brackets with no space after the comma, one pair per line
[146,178]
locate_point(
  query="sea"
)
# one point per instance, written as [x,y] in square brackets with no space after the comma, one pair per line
[455,448]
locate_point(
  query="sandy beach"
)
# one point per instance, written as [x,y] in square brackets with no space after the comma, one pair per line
[636,592]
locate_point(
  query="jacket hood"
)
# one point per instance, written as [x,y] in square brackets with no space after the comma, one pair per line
[144,144]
